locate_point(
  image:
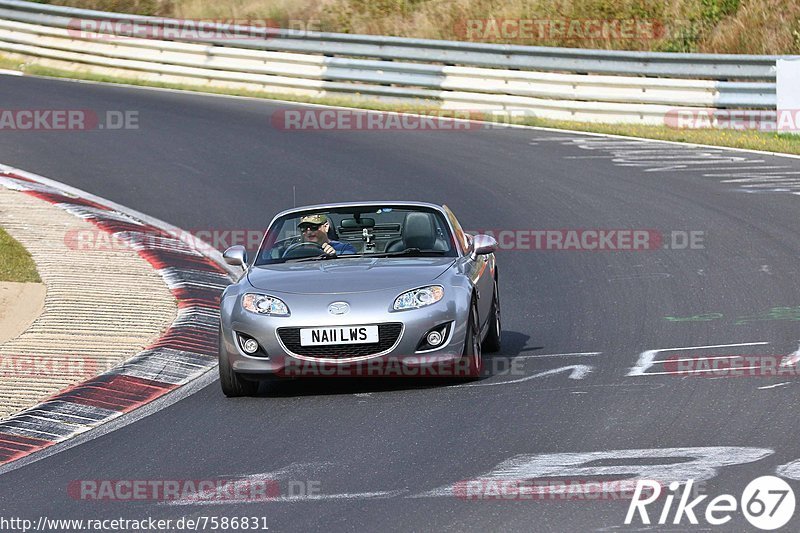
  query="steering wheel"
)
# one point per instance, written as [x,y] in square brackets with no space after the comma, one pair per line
[302,247]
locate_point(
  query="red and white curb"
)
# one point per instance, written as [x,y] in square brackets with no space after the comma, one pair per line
[185,352]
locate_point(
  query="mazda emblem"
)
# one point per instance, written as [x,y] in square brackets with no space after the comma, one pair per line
[339,308]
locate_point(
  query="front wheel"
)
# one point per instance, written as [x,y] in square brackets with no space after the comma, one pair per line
[471,359]
[492,341]
[232,384]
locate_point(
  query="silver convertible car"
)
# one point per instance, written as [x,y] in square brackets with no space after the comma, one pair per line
[360,289]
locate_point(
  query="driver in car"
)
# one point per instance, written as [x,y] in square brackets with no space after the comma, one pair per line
[314,228]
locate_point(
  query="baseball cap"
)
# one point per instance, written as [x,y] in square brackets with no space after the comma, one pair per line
[314,220]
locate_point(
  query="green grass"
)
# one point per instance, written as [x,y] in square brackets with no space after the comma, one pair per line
[724,26]
[15,261]
[10,64]
[750,140]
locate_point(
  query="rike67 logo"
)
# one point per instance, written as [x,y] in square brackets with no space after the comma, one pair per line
[767,503]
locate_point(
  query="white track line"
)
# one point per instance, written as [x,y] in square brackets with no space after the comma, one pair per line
[775,386]
[700,358]
[572,354]
[647,358]
[299,498]
[575,372]
[704,370]
[792,359]
[710,346]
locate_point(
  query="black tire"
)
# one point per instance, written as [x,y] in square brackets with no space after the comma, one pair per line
[492,341]
[232,385]
[472,359]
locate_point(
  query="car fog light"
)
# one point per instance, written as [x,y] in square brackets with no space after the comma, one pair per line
[250,346]
[435,338]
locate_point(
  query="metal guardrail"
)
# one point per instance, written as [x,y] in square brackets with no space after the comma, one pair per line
[644,86]
[703,66]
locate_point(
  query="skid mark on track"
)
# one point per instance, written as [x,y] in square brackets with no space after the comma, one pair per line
[281,485]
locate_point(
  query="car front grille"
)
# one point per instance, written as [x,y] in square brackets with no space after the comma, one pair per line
[387,335]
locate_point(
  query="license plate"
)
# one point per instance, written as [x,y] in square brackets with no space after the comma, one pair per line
[338,335]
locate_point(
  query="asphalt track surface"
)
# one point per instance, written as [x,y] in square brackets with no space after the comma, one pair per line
[378,449]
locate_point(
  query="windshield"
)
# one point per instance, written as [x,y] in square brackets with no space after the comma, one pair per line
[357,231]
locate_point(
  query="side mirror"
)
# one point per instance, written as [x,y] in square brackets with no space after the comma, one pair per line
[483,245]
[236,256]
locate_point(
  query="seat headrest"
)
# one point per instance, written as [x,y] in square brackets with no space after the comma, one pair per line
[419,231]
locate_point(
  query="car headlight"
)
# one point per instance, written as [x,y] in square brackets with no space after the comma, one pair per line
[264,305]
[417,298]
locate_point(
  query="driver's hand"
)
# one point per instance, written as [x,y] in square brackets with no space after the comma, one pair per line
[328,249]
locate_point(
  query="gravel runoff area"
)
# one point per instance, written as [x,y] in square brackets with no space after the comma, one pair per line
[101,307]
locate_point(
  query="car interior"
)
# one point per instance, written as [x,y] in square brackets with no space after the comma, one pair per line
[417,230]
[384,231]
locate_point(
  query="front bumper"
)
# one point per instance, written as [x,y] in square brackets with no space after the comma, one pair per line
[401,357]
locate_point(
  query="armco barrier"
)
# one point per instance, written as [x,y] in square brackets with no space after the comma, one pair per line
[557,83]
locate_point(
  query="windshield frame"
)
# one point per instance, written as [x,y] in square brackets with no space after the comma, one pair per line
[367,208]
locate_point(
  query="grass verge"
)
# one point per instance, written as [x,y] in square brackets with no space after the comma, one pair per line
[747,139]
[722,26]
[16,263]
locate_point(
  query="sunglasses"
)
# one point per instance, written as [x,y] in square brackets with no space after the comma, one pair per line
[303,229]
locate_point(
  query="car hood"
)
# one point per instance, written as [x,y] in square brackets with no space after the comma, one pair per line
[342,276]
